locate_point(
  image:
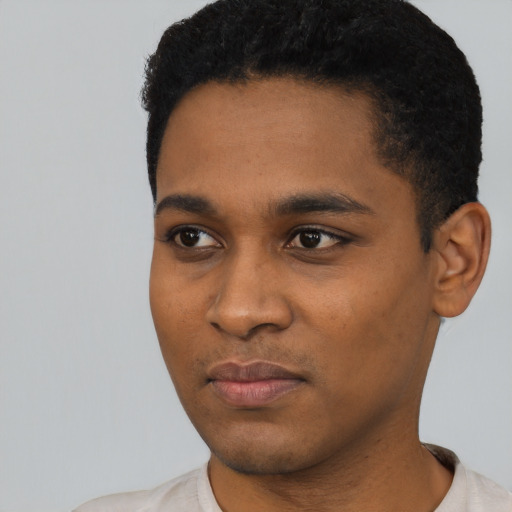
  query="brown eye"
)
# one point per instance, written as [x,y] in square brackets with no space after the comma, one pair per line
[316,239]
[310,239]
[191,237]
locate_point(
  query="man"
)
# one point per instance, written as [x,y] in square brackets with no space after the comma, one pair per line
[314,169]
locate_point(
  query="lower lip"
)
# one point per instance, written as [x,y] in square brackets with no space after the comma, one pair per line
[255,393]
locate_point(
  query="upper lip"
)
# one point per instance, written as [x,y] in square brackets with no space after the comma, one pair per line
[250,372]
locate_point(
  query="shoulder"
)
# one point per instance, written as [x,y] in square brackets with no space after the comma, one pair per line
[470,491]
[484,494]
[185,493]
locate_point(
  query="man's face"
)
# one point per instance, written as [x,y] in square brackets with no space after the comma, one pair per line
[289,290]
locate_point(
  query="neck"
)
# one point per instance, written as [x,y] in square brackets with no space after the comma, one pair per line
[386,476]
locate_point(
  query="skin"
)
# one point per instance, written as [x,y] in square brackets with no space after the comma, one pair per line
[354,318]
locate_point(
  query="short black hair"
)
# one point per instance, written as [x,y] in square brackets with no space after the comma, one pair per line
[428,113]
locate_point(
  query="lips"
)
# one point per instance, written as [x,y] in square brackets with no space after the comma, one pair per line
[252,385]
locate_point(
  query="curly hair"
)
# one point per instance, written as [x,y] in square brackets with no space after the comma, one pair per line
[428,113]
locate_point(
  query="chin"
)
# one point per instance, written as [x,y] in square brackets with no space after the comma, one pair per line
[249,463]
[266,452]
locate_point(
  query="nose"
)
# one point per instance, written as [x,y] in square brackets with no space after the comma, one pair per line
[251,297]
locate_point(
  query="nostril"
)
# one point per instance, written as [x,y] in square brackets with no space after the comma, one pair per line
[216,325]
[246,333]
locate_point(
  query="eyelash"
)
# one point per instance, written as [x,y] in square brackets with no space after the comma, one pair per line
[338,240]
[173,233]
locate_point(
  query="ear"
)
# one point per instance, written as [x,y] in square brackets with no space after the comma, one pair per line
[462,246]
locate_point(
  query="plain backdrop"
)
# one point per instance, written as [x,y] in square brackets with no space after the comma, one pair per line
[86,405]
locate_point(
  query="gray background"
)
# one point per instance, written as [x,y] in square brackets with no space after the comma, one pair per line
[86,406]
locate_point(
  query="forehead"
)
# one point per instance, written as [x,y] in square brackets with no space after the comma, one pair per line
[271,110]
[295,98]
[271,138]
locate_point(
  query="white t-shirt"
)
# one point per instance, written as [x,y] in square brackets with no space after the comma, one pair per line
[469,492]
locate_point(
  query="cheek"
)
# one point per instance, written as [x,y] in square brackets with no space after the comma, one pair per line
[176,310]
[373,324]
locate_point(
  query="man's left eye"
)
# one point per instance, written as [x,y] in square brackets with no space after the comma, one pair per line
[315,239]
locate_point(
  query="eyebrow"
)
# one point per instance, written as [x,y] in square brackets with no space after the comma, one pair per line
[328,203]
[185,203]
[297,204]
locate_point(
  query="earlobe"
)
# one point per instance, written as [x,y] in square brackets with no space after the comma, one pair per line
[462,246]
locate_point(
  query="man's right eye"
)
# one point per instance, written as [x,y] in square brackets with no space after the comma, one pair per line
[192,237]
